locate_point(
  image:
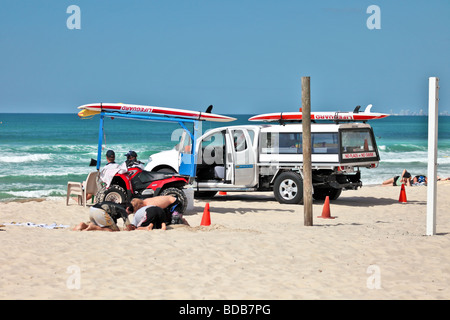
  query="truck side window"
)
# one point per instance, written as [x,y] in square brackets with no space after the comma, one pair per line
[187,144]
[291,143]
[213,149]
[324,142]
[281,142]
[240,143]
[266,144]
[252,136]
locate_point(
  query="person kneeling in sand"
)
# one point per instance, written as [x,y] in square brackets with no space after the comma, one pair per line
[155,213]
[103,216]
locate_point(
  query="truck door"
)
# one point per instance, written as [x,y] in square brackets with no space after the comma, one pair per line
[243,164]
[211,157]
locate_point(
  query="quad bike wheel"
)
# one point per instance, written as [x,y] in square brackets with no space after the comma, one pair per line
[180,195]
[114,193]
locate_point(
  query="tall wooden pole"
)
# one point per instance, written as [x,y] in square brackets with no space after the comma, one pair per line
[306,145]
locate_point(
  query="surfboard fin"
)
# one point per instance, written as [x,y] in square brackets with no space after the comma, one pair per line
[209,109]
[357,109]
[368,108]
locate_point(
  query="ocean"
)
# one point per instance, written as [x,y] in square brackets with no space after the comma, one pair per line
[40,153]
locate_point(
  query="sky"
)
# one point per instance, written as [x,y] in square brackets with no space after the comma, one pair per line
[242,56]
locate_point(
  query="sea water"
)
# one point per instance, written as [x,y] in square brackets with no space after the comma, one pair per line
[40,153]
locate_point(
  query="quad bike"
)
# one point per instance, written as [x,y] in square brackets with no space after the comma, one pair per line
[138,183]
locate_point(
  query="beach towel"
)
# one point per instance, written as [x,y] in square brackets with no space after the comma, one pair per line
[39,225]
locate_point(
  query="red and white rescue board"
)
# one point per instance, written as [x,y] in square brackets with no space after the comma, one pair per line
[330,115]
[95,108]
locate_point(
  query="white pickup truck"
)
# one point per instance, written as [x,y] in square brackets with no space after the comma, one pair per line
[269,158]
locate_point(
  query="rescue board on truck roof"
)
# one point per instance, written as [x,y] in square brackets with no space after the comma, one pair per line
[96,108]
[334,116]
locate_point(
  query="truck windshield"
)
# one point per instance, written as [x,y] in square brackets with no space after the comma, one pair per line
[287,142]
[357,144]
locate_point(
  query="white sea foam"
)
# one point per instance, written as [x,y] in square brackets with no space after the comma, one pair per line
[413,157]
[37,193]
[48,172]
[12,158]
[41,148]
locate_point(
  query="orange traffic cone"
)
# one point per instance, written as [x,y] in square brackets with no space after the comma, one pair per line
[402,197]
[366,145]
[326,209]
[206,219]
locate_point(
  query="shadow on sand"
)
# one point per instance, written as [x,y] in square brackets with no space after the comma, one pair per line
[250,198]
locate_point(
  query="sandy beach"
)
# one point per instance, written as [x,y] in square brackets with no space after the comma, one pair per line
[256,248]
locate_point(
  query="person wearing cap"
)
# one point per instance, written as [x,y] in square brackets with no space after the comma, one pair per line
[405,178]
[108,171]
[132,161]
[111,168]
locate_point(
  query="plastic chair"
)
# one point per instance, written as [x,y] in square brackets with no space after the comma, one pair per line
[82,189]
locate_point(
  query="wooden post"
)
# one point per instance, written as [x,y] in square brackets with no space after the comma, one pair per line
[306,145]
[433,98]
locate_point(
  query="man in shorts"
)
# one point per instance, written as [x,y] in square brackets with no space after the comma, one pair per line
[155,213]
[151,217]
[103,217]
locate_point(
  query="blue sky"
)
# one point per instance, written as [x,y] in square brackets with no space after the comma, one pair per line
[245,56]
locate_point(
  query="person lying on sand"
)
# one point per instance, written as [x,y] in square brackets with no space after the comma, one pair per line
[422,180]
[405,178]
[419,180]
[155,213]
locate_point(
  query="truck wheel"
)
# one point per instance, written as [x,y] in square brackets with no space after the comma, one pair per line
[322,193]
[114,193]
[179,194]
[288,188]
